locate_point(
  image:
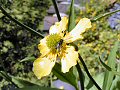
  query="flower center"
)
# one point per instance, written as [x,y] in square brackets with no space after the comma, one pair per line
[53,40]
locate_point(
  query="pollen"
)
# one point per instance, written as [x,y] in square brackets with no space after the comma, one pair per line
[53,40]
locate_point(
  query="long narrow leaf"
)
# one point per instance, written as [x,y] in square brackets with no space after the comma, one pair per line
[20,83]
[109,68]
[106,66]
[19,23]
[37,88]
[116,82]
[28,59]
[68,77]
[23,84]
[71,23]
[104,15]
[98,78]
[7,77]
[111,63]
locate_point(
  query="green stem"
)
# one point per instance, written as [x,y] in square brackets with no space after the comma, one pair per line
[56,9]
[19,23]
[51,81]
[85,67]
[104,15]
[80,76]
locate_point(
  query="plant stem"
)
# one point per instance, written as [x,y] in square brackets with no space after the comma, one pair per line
[81,76]
[85,67]
[56,9]
[19,23]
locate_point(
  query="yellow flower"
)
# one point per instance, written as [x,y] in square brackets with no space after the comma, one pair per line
[55,47]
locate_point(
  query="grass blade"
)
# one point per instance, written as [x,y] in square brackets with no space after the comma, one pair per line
[116,82]
[68,77]
[109,68]
[104,15]
[71,23]
[108,79]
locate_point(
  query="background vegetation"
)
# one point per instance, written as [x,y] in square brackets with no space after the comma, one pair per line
[16,43]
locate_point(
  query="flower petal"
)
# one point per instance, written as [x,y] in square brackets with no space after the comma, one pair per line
[42,67]
[75,34]
[43,47]
[70,59]
[59,27]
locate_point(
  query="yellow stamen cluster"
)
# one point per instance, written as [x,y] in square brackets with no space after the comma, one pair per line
[53,40]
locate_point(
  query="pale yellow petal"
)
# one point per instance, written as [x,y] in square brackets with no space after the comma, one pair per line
[75,34]
[59,27]
[70,59]
[53,29]
[42,67]
[43,47]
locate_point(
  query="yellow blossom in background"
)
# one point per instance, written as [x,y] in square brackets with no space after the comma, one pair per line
[55,47]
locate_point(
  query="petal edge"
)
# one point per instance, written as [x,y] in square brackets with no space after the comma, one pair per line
[70,59]
[81,27]
[42,67]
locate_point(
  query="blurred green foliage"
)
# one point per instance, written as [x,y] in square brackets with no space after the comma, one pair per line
[15,42]
[99,39]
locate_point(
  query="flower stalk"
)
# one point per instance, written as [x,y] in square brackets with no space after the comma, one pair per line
[86,70]
[56,9]
[81,76]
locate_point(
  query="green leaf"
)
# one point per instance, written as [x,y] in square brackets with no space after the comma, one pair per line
[16,81]
[116,81]
[5,76]
[104,15]
[28,59]
[68,77]
[36,88]
[111,63]
[71,23]
[106,66]
[110,69]
[21,83]
[89,84]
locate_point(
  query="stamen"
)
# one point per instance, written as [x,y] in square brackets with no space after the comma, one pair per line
[53,40]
